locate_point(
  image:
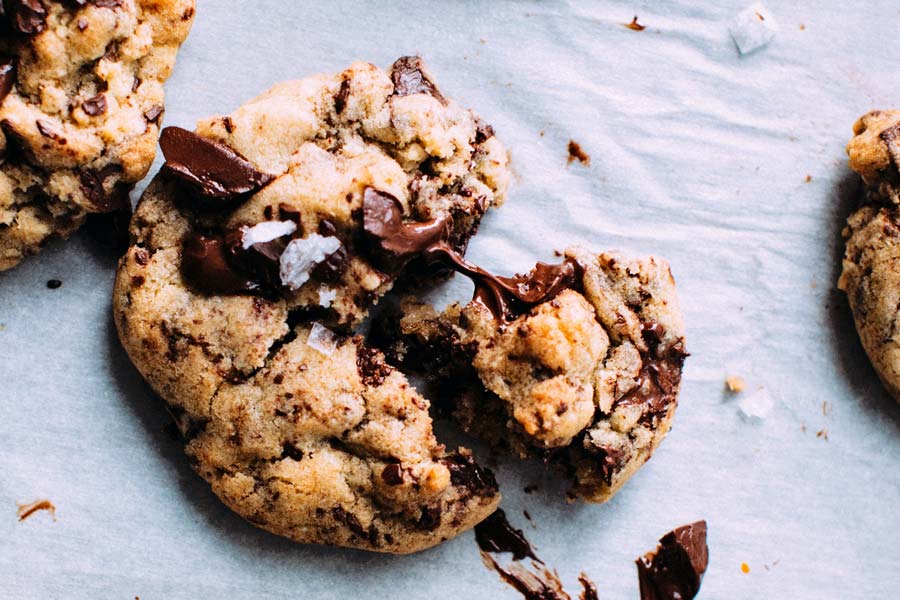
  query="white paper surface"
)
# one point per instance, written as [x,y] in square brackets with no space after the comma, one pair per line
[698,155]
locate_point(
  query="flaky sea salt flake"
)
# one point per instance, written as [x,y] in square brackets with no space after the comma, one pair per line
[326,296]
[753,28]
[322,339]
[266,232]
[301,256]
[756,405]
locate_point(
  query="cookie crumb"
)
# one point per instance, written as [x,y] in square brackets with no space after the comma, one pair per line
[577,153]
[735,384]
[825,408]
[822,433]
[745,568]
[26,510]
[54,284]
[527,515]
[808,179]
[802,27]
[634,25]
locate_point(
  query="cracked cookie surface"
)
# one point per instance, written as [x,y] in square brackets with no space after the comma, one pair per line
[256,251]
[81,100]
[870,275]
[587,380]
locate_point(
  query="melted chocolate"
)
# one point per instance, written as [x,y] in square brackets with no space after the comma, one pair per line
[206,265]
[657,383]
[675,569]
[409,78]
[7,76]
[211,168]
[394,242]
[495,534]
[26,16]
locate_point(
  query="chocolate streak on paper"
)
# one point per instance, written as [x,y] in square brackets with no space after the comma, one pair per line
[537,582]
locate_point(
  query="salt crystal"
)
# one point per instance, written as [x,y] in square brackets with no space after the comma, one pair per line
[756,405]
[326,296]
[266,232]
[322,339]
[753,28]
[301,256]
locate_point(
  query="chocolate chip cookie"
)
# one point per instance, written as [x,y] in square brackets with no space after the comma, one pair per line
[263,242]
[870,276]
[81,100]
[578,364]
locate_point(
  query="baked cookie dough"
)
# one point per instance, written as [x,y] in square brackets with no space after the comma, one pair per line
[265,239]
[81,100]
[577,364]
[871,277]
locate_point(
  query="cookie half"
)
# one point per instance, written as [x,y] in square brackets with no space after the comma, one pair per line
[81,101]
[577,364]
[265,239]
[870,275]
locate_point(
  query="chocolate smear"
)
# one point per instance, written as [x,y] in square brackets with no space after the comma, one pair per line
[7,76]
[394,241]
[409,78]
[534,582]
[211,168]
[675,569]
[26,16]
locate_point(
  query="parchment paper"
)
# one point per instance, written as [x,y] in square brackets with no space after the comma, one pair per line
[698,155]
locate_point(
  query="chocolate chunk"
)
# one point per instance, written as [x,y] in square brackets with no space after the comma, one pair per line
[409,78]
[93,185]
[393,241]
[95,106]
[205,264]
[392,474]
[153,113]
[48,130]
[483,131]
[660,374]
[340,100]
[371,367]
[7,76]
[26,16]
[675,569]
[211,168]
[466,473]
[430,518]
[291,451]
[495,534]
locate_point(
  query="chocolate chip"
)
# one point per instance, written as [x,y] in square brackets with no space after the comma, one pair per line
[48,130]
[291,451]
[26,16]
[409,78]
[430,518]
[483,131]
[228,124]
[95,106]
[392,474]
[7,76]
[211,168]
[675,569]
[466,473]
[340,100]
[153,113]
[204,262]
[54,284]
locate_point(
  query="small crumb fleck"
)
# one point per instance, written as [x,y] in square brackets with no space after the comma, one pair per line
[745,568]
[734,384]
[802,27]
[527,515]
[825,408]
[634,25]
[808,178]
[26,510]
[531,488]
[482,41]
[577,153]
[542,133]
[803,427]
[822,433]
[54,284]
[2,327]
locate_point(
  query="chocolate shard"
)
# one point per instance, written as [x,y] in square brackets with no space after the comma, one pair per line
[393,241]
[7,76]
[26,16]
[409,78]
[660,374]
[211,168]
[675,569]
[495,534]
[95,106]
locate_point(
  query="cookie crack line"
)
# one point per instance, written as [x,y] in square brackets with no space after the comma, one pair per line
[79,117]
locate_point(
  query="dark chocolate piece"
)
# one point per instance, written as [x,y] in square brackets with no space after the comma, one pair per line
[48,130]
[495,534]
[675,569]
[465,472]
[340,100]
[7,76]
[660,375]
[393,241]
[153,113]
[205,264]
[26,16]
[95,106]
[211,168]
[392,474]
[93,185]
[589,588]
[409,78]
